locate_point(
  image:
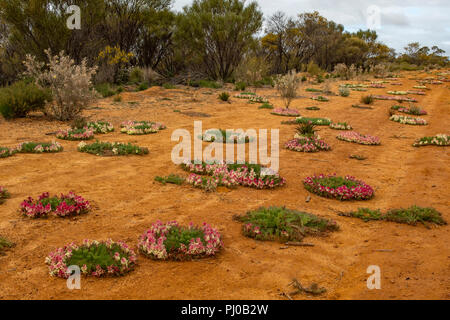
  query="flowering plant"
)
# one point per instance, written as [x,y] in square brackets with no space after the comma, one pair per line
[75,134]
[340,126]
[95,258]
[280,223]
[437,140]
[315,121]
[170,241]
[111,149]
[6,152]
[38,147]
[100,127]
[352,136]
[4,194]
[408,120]
[307,144]
[231,175]
[286,112]
[383,97]
[258,99]
[331,186]
[420,93]
[63,206]
[398,93]
[141,127]
[411,110]
[245,95]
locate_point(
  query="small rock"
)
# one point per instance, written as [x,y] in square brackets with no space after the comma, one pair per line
[308,198]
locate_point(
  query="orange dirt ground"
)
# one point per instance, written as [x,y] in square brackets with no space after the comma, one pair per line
[414,261]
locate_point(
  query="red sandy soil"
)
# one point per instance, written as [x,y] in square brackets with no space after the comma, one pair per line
[414,260]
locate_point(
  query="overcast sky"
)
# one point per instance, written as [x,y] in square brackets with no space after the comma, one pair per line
[399,22]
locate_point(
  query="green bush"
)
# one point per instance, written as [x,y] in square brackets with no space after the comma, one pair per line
[20,98]
[143,86]
[240,86]
[168,86]
[224,96]
[205,84]
[136,75]
[106,89]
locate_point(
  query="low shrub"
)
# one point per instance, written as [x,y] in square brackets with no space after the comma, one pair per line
[106,89]
[341,188]
[408,120]
[313,90]
[141,127]
[312,108]
[285,112]
[367,99]
[100,127]
[5,244]
[75,134]
[357,157]
[320,99]
[315,121]
[224,96]
[411,110]
[265,106]
[344,92]
[224,136]
[64,206]
[340,126]
[172,178]
[143,86]
[19,99]
[111,149]
[231,175]
[171,241]
[168,86]
[6,152]
[306,144]
[411,215]
[95,258]
[437,140]
[282,224]
[4,194]
[355,137]
[240,86]
[39,147]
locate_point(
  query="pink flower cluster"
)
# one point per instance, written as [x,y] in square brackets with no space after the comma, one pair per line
[352,136]
[67,205]
[124,256]
[286,112]
[406,110]
[151,243]
[421,93]
[396,98]
[360,191]
[74,135]
[221,175]
[307,145]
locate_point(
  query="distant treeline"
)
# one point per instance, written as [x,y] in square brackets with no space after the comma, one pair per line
[215,39]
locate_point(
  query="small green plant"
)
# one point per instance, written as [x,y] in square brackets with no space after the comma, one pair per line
[17,100]
[168,86]
[315,121]
[240,86]
[307,129]
[282,224]
[172,178]
[265,106]
[357,157]
[4,194]
[224,96]
[5,244]
[312,108]
[367,99]
[143,86]
[411,215]
[176,110]
[304,78]
[205,84]
[117,98]
[78,123]
[106,90]
[136,75]
[111,149]
[344,92]
[313,90]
